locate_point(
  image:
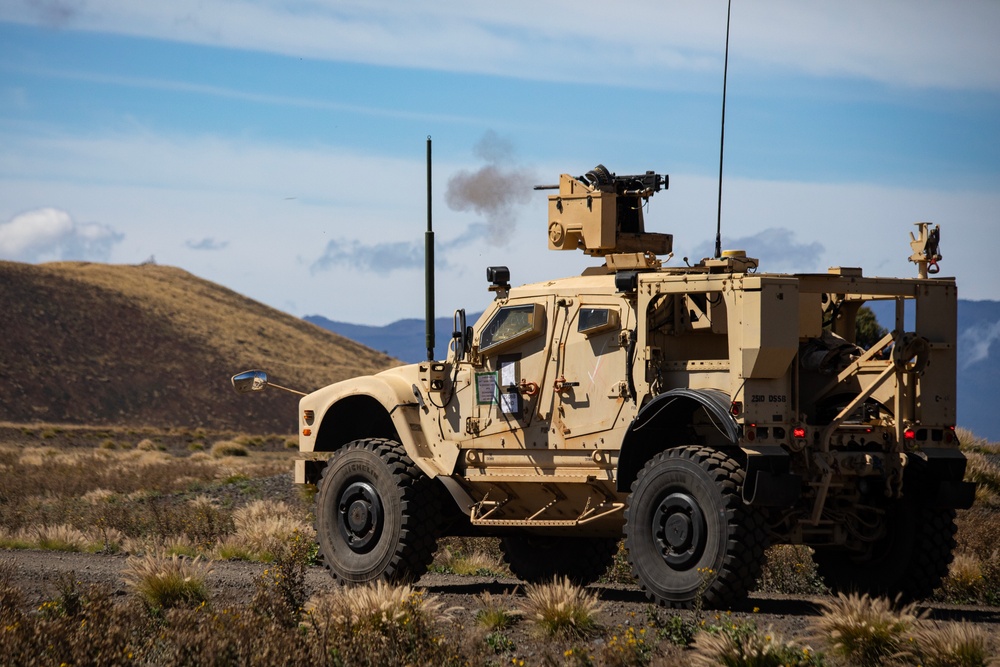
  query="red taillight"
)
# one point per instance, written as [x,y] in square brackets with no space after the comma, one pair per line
[736,408]
[798,432]
[949,435]
[909,434]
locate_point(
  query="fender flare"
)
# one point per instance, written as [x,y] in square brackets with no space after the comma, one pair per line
[676,406]
[396,399]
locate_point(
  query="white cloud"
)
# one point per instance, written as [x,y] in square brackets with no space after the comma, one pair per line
[931,43]
[975,342]
[207,243]
[49,234]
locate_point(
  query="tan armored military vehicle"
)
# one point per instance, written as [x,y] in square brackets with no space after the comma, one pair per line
[702,413]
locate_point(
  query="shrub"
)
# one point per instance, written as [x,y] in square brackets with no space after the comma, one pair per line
[499,642]
[865,631]
[228,448]
[11,598]
[561,608]
[80,627]
[620,572]
[281,588]
[163,582]
[790,569]
[627,646]
[674,628]
[977,549]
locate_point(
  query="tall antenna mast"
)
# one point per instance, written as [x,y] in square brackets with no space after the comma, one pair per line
[429,265]
[722,140]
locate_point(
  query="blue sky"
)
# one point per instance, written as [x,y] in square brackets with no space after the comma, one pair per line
[278,147]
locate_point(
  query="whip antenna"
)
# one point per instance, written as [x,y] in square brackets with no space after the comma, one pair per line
[722,139]
[429,265]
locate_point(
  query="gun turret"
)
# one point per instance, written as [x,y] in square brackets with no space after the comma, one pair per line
[601,213]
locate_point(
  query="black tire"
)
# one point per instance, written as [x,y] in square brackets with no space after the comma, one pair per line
[911,560]
[538,559]
[376,515]
[691,540]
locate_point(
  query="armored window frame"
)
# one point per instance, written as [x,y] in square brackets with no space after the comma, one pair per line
[593,319]
[511,324]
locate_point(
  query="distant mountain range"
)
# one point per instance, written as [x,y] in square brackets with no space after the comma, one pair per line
[978,353]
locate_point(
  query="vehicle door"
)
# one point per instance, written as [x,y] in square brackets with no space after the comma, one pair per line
[503,393]
[590,377]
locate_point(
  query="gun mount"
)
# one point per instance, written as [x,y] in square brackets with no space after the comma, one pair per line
[601,213]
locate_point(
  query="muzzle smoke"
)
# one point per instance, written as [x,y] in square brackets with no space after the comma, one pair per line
[494,190]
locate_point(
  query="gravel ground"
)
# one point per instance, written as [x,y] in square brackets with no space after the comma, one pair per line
[37,573]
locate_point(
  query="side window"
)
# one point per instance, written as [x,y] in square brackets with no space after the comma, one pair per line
[512,324]
[596,320]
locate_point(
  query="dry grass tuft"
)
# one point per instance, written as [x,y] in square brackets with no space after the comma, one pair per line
[970,442]
[263,530]
[866,631]
[744,645]
[61,537]
[561,609]
[496,613]
[986,474]
[376,606]
[382,624]
[965,581]
[163,583]
[229,448]
[954,645]
[147,445]
[474,563]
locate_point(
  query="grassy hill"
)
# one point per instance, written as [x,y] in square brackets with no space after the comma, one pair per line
[152,345]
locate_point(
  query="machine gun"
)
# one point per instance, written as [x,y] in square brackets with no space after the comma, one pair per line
[635,185]
[601,214]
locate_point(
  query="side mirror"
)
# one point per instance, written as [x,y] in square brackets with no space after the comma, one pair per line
[461,335]
[250,381]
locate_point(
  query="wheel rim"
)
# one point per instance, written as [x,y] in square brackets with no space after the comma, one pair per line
[360,516]
[679,530]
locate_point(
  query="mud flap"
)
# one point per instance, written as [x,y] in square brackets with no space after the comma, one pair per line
[308,471]
[936,474]
[768,482]
[954,495]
